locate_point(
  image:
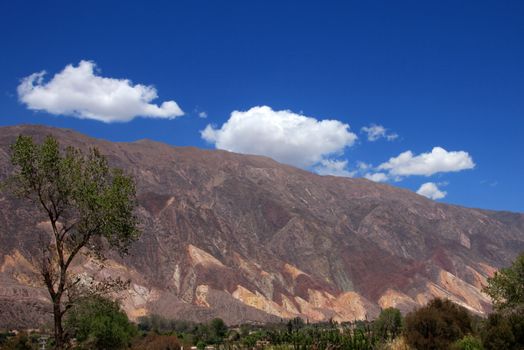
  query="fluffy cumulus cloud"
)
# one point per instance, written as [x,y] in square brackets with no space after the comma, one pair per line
[334,167]
[431,190]
[79,92]
[437,161]
[375,132]
[282,135]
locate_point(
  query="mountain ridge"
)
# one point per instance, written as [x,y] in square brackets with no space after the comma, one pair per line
[246,238]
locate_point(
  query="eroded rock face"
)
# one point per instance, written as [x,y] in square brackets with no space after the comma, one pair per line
[248,239]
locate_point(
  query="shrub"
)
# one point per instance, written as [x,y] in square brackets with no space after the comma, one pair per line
[469,342]
[19,342]
[201,345]
[437,325]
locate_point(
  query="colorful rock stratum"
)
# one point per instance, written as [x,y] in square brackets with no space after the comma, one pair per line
[246,238]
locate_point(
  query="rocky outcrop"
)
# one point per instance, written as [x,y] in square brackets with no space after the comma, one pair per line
[248,239]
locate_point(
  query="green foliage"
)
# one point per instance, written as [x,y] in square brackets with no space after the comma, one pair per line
[311,336]
[437,325]
[87,203]
[504,331]
[21,341]
[91,198]
[506,287]
[516,321]
[469,342]
[4,337]
[213,332]
[218,329]
[505,328]
[99,323]
[388,325]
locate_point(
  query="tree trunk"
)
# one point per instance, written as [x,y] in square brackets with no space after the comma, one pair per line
[59,331]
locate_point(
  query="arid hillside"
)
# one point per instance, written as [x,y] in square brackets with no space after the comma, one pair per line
[248,239]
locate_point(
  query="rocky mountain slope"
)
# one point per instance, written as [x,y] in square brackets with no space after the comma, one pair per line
[248,239]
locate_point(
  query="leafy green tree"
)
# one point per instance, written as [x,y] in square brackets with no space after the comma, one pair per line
[218,329]
[505,328]
[506,287]
[388,325]
[88,205]
[99,323]
[437,325]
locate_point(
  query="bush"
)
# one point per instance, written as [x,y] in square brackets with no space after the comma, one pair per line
[469,342]
[19,342]
[497,333]
[516,322]
[437,325]
[98,323]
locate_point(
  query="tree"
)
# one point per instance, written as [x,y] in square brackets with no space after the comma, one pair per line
[505,328]
[88,205]
[388,324]
[218,330]
[437,325]
[99,323]
[497,333]
[506,287]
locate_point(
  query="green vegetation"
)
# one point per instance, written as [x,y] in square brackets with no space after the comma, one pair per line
[506,287]
[87,204]
[22,341]
[469,342]
[437,325]
[99,323]
[388,325]
[91,205]
[190,333]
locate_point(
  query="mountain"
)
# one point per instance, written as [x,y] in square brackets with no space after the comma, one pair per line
[245,238]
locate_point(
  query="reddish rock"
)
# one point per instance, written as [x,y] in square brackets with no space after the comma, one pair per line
[248,239]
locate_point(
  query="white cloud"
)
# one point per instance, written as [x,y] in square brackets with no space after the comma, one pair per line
[333,167]
[391,137]
[80,92]
[282,135]
[375,132]
[202,115]
[377,177]
[438,160]
[431,190]
[362,166]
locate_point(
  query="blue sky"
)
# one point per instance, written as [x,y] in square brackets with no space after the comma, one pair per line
[446,74]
